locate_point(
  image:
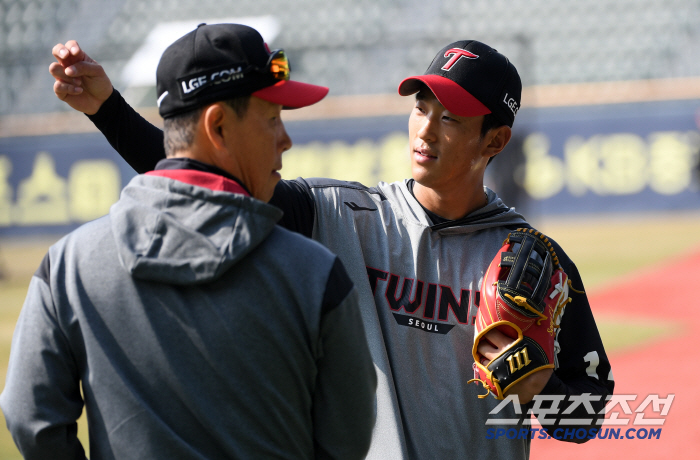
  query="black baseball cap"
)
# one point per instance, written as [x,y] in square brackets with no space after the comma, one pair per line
[220,61]
[470,79]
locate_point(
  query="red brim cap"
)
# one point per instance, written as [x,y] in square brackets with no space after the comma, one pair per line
[292,94]
[452,96]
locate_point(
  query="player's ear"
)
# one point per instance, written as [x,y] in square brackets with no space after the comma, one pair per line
[497,139]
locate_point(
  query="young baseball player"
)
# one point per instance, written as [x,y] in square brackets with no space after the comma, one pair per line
[418,250]
[194,325]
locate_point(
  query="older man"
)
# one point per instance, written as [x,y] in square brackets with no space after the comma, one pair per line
[197,327]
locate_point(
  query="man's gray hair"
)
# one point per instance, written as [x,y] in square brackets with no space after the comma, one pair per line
[179,131]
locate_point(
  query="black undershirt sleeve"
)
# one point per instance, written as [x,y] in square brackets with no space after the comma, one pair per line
[141,145]
[338,287]
[132,136]
[294,198]
[579,340]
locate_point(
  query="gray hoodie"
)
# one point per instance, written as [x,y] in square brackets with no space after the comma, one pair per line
[198,329]
[419,286]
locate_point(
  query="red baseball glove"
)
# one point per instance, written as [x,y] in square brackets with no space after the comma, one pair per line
[523,295]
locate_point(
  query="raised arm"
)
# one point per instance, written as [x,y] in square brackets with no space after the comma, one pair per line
[82,83]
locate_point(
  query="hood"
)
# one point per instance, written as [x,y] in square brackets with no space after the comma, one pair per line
[176,233]
[494,214]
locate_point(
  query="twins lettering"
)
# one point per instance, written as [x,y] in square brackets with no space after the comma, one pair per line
[438,302]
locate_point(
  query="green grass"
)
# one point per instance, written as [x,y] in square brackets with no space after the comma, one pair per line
[620,335]
[11,298]
[606,247]
[603,249]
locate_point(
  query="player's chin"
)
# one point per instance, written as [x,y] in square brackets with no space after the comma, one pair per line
[422,175]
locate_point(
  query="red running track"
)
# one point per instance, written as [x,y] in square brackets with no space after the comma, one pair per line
[668,292]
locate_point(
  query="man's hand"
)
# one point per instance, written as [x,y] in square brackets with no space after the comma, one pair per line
[80,81]
[494,343]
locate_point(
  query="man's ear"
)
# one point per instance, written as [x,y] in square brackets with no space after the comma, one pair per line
[213,120]
[498,138]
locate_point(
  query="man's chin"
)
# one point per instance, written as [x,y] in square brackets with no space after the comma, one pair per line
[421,176]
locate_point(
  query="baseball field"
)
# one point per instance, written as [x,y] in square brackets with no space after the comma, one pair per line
[637,270]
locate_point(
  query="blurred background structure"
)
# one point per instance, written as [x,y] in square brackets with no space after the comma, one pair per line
[604,156]
[365,46]
[608,124]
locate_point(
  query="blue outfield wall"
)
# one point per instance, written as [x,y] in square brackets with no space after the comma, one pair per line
[52,184]
[617,158]
[614,158]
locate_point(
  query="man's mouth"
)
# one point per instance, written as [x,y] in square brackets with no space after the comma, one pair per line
[424,153]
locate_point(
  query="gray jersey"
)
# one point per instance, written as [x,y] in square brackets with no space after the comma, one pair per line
[419,290]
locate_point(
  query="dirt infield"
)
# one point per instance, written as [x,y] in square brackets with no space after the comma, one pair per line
[663,367]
